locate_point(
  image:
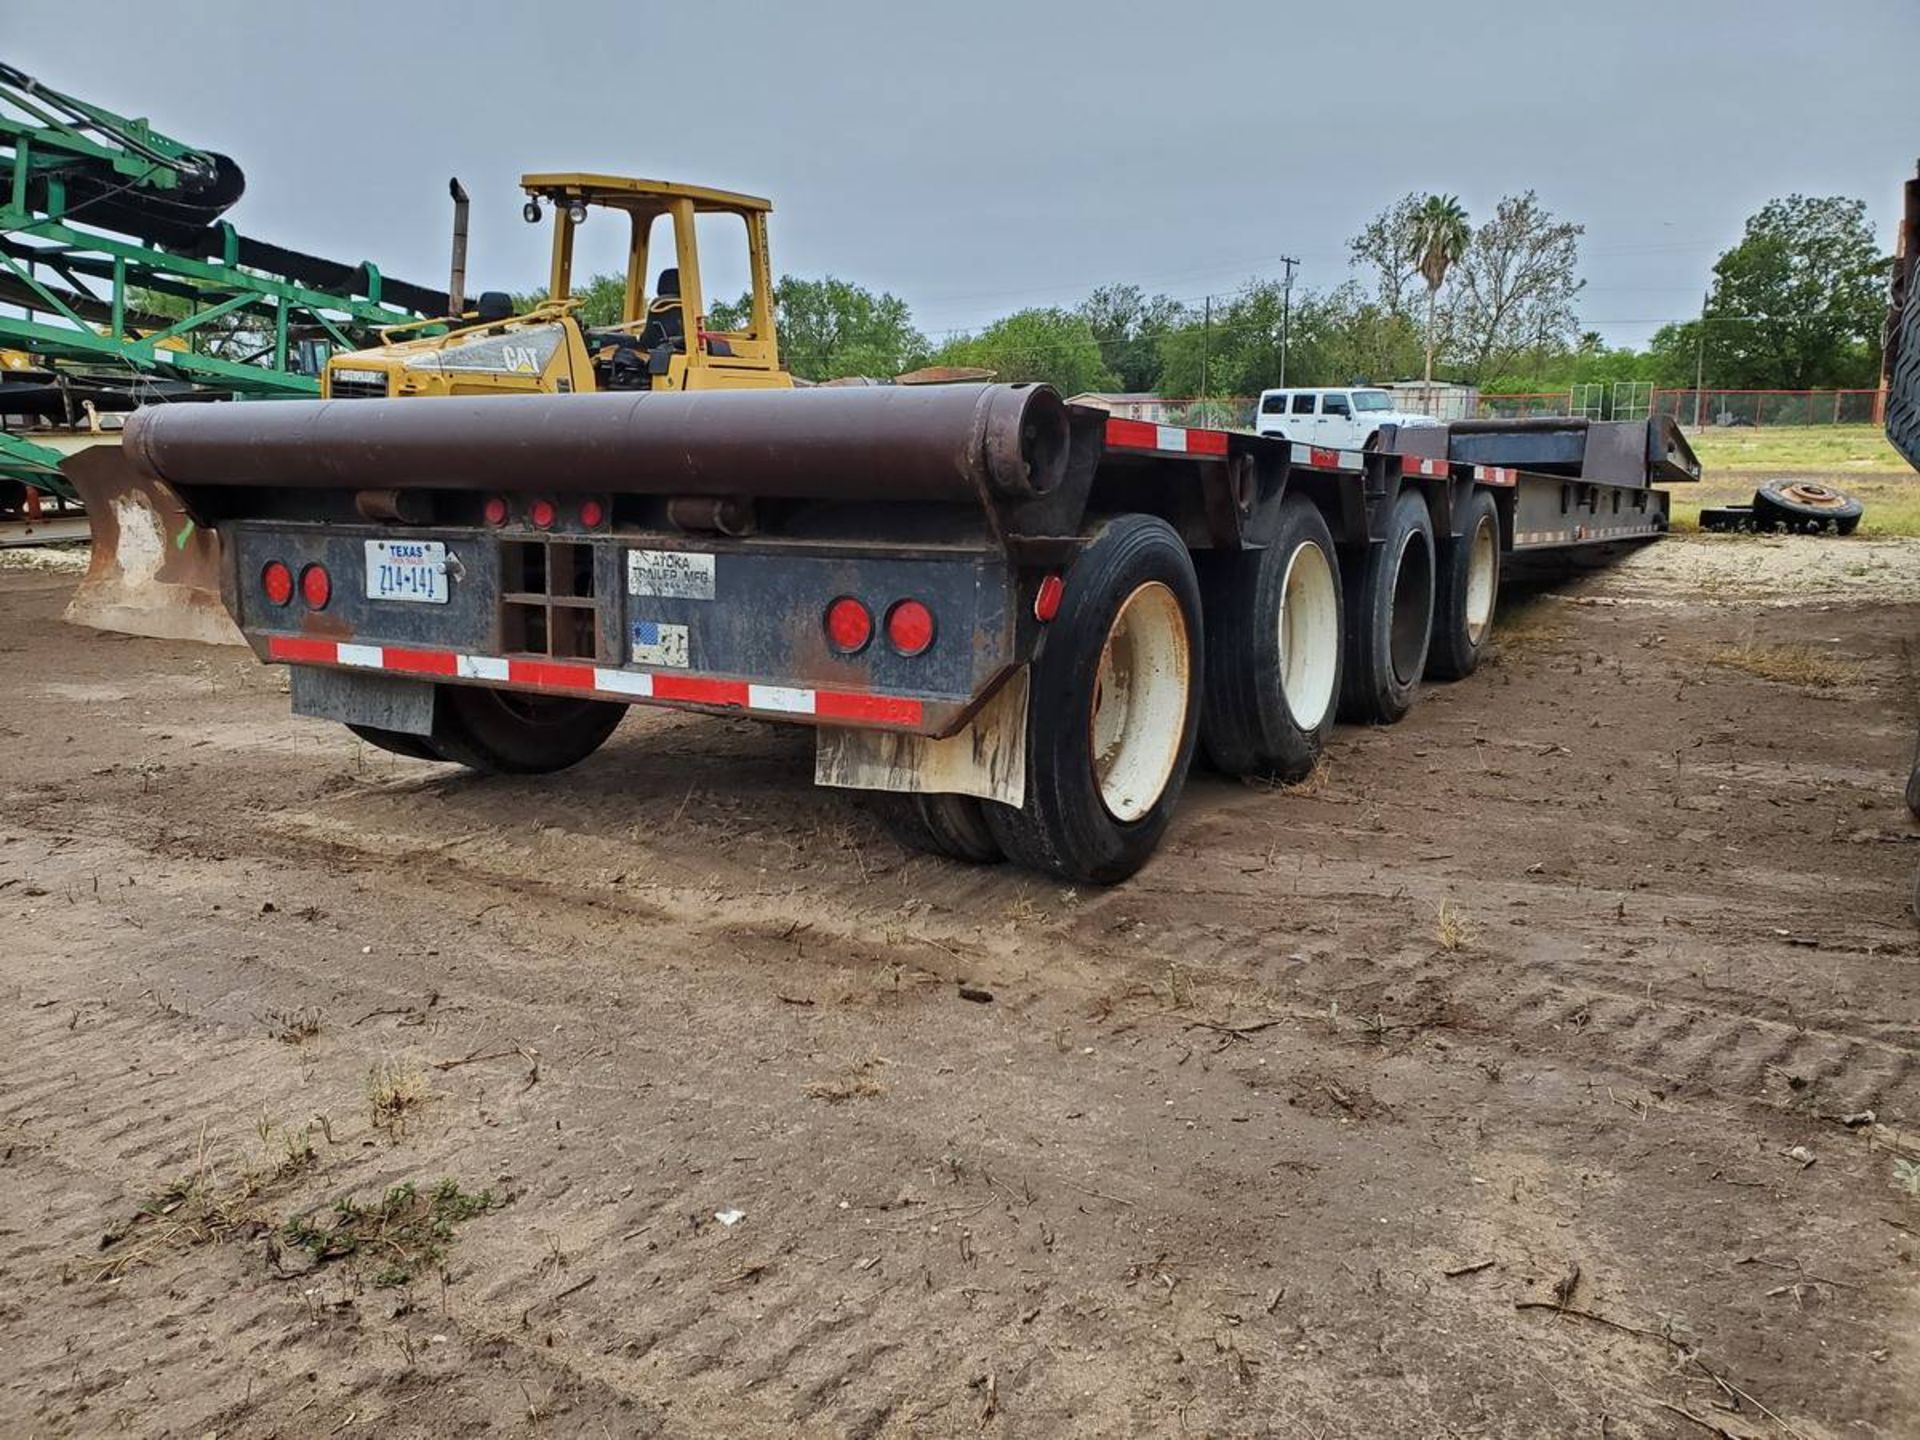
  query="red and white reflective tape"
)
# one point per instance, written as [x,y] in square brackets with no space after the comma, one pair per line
[1165,439]
[1495,475]
[569,677]
[1318,457]
[1414,465]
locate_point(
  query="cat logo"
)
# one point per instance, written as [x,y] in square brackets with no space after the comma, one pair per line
[521,359]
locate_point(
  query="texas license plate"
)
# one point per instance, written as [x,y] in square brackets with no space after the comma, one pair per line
[407,570]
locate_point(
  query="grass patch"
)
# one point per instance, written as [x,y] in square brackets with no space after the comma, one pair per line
[1795,447]
[402,1236]
[395,1089]
[206,1205]
[1450,928]
[1853,458]
[1788,665]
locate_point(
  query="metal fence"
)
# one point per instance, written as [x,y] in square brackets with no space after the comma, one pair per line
[1770,407]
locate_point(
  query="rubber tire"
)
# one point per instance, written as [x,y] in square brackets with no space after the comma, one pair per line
[951,826]
[1772,507]
[1452,653]
[1371,692]
[504,732]
[398,742]
[1247,724]
[1913,790]
[1063,828]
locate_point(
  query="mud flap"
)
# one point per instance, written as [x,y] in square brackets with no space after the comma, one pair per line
[154,570]
[986,757]
[380,702]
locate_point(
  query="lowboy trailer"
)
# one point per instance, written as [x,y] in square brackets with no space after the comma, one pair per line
[1011,618]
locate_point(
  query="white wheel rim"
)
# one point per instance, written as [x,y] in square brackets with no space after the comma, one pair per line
[1139,715]
[1309,635]
[1482,558]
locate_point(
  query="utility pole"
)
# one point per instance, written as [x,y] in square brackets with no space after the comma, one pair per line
[1206,345]
[1286,312]
[1700,362]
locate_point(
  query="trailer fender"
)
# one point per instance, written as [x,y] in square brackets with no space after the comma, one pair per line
[986,757]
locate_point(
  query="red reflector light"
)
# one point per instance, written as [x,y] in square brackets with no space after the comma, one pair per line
[849,625]
[277,580]
[541,513]
[496,511]
[1046,603]
[316,586]
[910,627]
[591,514]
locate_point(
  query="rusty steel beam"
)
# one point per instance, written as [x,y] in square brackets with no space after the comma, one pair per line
[907,443]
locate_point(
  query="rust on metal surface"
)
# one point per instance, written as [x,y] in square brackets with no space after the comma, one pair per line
[926,442]
[153,570]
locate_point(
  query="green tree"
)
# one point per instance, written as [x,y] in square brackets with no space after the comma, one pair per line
[1238,352]
[1517,282]
[1048,345]
[1439,237]
[832,327]
[1129,326]
[1797,304]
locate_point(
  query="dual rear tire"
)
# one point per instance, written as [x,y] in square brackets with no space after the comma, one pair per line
[505,732]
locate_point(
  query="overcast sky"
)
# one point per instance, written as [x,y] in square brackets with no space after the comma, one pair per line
[980,157]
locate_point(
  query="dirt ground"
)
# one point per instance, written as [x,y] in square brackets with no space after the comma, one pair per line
[1509,1079]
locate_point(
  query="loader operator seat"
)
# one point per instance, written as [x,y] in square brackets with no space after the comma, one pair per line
[629,360]
[665,324]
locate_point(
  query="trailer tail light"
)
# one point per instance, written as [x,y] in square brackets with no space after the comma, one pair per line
[316,587]
[495,511]
[910,627]
[541,513]
[277,581]
[849,625]
[1046,601]
[591,514]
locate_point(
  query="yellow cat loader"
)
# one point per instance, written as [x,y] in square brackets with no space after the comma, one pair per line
[154,569]
[661,342]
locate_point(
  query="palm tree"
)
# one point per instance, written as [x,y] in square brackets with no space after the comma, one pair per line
[1438,239]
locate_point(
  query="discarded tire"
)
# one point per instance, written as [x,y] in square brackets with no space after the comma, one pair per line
[1727,518]
[507,732]
[1805,505]
[1389,615]
[1113,710]
[951,826]
[398,742]
[1273,649]
[1467,592]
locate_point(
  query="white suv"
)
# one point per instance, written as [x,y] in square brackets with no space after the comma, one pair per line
[1344,419]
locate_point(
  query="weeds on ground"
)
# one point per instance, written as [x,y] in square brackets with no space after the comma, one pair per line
[1788,664]
[395,1089]
[205,1204]
[1451,930]
[293,1027]
[857,1083]
[404,1235]
[1906,1178]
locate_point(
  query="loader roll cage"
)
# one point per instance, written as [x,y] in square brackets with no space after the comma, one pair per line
[645,202]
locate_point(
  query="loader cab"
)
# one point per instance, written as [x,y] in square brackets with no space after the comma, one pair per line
[663,340]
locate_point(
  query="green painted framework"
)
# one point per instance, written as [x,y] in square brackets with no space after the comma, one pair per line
[80,292]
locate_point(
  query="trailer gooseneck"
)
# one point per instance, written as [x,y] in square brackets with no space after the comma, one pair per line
[1013,617]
